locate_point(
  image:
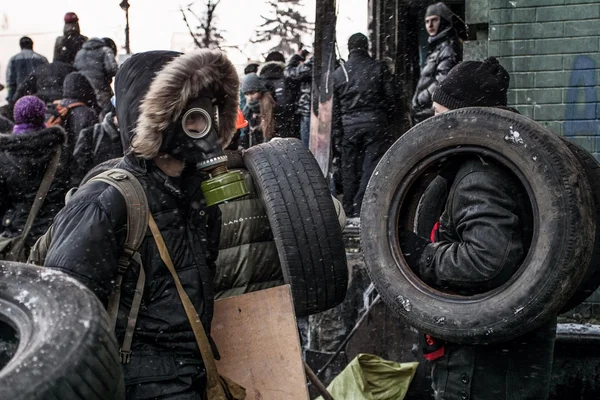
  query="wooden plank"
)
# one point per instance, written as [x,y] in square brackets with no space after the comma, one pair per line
[257,337]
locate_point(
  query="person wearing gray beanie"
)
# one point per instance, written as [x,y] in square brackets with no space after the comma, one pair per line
[258,111]
[252,83]
[444,53]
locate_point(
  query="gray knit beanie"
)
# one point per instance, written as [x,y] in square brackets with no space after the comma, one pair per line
[252,83]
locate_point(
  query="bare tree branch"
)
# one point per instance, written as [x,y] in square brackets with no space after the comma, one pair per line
[189,28]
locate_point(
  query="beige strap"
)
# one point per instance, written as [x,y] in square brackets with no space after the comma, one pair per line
[137,216]
[40,196]
[214,388]
[133,312]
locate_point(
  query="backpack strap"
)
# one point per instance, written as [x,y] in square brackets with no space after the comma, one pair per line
[42,192]
[137,223]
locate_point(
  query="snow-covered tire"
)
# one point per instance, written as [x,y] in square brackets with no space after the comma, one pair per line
[64,348]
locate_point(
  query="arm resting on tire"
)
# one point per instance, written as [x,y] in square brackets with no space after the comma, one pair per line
[490,248]
[85,244]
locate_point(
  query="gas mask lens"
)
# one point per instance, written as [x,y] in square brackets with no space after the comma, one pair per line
[196,123]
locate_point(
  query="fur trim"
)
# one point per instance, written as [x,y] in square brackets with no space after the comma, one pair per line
[180,81]
[272,67]
[34,142]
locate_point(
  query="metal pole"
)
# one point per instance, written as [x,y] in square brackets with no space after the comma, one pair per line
[127,47]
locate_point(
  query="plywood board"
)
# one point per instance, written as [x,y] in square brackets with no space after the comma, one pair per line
[257,337]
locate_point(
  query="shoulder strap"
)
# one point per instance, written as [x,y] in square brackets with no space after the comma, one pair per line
[40,196]
[213,382]
[137,223]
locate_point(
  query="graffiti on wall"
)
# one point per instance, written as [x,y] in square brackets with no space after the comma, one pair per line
[582,99]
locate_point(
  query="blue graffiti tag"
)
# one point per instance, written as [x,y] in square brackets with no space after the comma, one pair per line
[582,120]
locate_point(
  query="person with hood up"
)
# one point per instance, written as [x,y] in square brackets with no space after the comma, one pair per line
[67,46]
[258,111]
[444,53]
[96,144]
[362,111]
[21,65]
[481,239]
[283,91]
[46,81]
[25,154]
[177,111]
[96,61]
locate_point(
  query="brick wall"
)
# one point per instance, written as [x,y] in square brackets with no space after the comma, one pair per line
[552,50]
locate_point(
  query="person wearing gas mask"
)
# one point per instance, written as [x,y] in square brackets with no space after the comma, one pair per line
[444,52]
[177,112]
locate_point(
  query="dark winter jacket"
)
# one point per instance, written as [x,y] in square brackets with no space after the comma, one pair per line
[254,134]
[97,144]
[67,46]
[88,239]
[484,230]
[284,92]
[24,159]
[444,53]
[45,82]
[97,62]
[18,69]
[301,75]
[363,93]
[248,258]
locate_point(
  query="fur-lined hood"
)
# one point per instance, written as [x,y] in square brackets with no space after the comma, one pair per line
[272,69]
[181,79]
[26,144]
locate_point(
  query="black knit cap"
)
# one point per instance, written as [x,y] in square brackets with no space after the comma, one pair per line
[358,41]
[474,84]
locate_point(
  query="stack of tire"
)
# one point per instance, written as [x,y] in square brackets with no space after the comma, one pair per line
[561,267]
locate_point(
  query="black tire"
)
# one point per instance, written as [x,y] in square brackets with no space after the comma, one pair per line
[564,225]
[100,168]
[431,206]
[304,223]
[591,279]
[66,350]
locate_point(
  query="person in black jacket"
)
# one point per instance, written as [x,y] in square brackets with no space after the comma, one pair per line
[67,46]
[444,53]
[299,71]
[162,97]
[96,144]
[25,155]
[480,241]
[96,60]
[363,105]
[283,92]
[80,97]
[46,81]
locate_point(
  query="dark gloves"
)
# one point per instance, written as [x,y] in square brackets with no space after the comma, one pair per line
[412,246]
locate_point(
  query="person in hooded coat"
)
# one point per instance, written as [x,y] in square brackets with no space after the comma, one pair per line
[154,91]
[444,53]
[481,239]
[24,157]
[96,60]
[283,90]
[96,144]
[67,46]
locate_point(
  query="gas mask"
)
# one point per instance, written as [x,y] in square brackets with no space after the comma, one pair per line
[194,139]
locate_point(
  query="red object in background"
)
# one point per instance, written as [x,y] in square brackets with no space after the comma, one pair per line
[241,121]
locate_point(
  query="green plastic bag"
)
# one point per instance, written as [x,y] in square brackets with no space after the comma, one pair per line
[369,377]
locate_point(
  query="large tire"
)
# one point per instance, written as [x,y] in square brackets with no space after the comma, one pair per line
[591,279]
[66,350]
[304,223]
[563,215]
